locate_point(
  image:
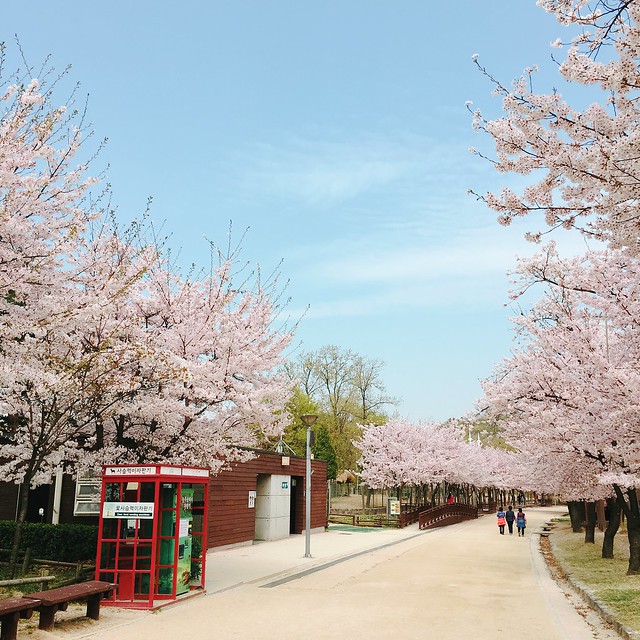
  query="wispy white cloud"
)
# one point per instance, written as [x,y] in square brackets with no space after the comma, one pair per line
[417,263]
[398,300]
[468,270]
[321,172]
[383,223]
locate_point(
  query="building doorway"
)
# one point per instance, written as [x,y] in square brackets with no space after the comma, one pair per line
[37,509]
[293,501]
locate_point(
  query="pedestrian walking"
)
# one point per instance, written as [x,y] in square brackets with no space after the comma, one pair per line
[521,521]
[450,499]
[521,499]
[510,517]
[502,520]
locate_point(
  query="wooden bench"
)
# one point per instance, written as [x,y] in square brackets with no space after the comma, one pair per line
[58,599]
[11,610]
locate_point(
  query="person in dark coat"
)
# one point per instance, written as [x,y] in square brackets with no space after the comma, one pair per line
[510,517]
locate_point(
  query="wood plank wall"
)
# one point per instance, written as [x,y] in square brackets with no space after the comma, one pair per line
[8,500]
[232,521]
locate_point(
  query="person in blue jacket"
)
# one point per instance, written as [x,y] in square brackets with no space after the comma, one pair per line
[521,522]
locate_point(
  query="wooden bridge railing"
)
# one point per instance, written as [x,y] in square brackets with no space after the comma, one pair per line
[361,520]
[446,514]
[487,507]
[409,515]
[428,518]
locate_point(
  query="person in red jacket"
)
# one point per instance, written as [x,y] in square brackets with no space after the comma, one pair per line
[502,520]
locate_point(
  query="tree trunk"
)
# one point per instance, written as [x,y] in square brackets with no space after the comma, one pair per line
[23,501]
[590,517]
[576,513]
[633,532]
[614,509]
[632,512]
[601,520]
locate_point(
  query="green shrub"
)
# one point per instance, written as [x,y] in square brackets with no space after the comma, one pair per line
[61,542]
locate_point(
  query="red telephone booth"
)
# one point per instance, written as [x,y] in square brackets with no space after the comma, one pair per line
[152,532]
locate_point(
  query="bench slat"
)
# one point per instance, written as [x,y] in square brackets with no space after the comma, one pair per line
[80,591]
[53,600]
[11,610]
[13,605]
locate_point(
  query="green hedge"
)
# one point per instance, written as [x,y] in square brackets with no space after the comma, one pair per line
[62,542]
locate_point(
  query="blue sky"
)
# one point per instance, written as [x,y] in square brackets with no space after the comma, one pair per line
[337,133]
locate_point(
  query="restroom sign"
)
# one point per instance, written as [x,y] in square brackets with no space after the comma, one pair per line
[285,484]
[252,499]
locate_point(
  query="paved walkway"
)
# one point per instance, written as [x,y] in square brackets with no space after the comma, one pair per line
[462,581]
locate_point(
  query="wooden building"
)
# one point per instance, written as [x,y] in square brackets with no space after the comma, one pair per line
[275,485]
[261,499]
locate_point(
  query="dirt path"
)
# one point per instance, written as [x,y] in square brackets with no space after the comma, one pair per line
[463,581]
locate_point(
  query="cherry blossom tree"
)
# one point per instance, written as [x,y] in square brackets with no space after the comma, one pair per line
[42,224]
[106,351]
[402,453]
[570,391]
[55,376]
[494,470]
[386,454]
[584,162]
[207,379]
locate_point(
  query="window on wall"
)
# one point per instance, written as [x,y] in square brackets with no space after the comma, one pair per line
[87,501]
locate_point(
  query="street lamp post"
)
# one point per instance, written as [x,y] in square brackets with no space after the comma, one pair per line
[308,420]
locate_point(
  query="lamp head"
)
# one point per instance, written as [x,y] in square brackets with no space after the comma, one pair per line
[308,419]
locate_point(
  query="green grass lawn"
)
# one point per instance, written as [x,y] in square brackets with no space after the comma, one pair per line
[606,580]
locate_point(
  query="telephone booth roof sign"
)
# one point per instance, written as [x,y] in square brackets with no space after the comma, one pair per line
[129,470]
